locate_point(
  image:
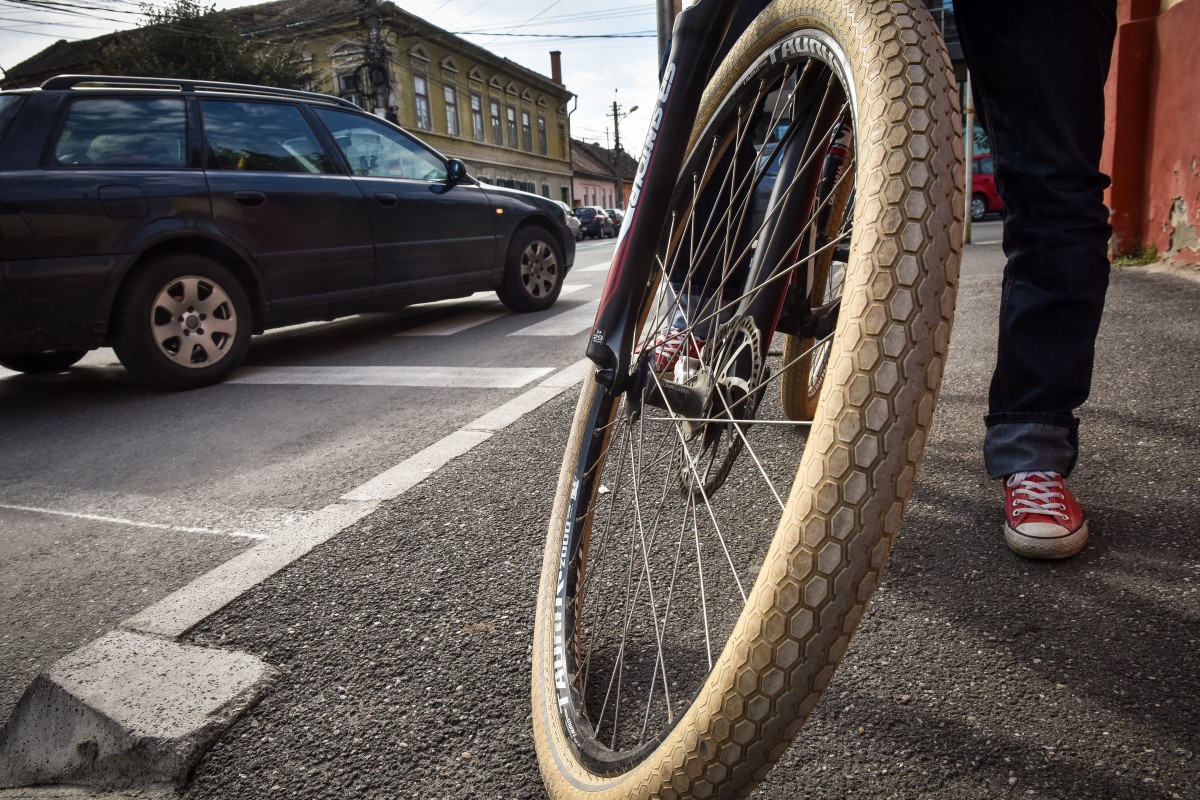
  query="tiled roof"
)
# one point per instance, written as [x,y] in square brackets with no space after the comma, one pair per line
[281,21]
[596,161]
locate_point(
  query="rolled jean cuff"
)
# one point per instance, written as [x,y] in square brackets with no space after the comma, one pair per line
[1024,442]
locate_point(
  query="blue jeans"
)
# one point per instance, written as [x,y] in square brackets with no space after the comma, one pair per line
[1038,70]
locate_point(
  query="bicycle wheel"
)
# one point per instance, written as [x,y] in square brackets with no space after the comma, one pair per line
[701,580]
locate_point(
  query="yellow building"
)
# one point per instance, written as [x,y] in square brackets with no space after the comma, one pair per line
[510,124]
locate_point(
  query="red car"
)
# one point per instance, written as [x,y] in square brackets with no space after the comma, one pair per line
[984,199]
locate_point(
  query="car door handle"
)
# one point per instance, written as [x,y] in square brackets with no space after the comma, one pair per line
[386,199]
[250,198]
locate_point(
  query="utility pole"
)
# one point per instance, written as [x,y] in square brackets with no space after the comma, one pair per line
[376,61]
[616,152]
[667,11]
[619,198]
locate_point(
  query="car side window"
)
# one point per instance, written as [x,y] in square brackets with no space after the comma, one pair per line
[8,111]
[261,137]
[377,150]
[123,132]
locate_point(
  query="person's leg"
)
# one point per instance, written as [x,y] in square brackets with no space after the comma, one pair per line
[1038,71]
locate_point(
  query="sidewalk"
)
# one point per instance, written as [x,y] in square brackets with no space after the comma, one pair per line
[404,642]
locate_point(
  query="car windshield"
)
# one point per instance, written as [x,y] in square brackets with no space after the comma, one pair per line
[9,103]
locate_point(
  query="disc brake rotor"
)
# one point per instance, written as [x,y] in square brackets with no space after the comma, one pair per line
[713,444]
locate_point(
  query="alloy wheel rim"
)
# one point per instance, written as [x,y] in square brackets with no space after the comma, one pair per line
[539,269]
[193,322]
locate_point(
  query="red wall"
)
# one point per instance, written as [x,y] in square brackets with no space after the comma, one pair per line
[1152,143]
[1172,215]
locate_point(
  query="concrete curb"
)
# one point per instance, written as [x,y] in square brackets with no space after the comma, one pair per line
[134,711]
[127,710]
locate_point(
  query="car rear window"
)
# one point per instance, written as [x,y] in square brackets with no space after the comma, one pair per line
[8,111]
[586,213]
[123,132]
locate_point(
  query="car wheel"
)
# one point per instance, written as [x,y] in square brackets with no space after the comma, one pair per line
[183,322]
[533,273]
[979,207]
[45,361]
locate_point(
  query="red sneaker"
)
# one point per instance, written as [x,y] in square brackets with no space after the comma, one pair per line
[1042,519]
[667,346]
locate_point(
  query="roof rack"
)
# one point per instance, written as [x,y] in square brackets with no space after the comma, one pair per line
[100,81]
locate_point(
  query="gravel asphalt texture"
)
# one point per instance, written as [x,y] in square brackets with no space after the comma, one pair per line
[405,642]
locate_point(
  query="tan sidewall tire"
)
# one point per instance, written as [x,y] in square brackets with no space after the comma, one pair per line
[867,439]
[798,403]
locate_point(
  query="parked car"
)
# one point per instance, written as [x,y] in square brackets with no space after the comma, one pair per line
[173,219]
[571,220]
[595,222]
[984,198]
[617,216]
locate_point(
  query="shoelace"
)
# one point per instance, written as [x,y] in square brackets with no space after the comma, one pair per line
[1037,496]
[668,344]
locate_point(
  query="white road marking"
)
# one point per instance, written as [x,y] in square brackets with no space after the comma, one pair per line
[568,323]
[182,610]
[456,300]
[439,377]
[134,523]
[572,288]
[598,268]
[455,324]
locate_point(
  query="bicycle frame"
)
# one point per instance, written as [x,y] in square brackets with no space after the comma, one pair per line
[695,45]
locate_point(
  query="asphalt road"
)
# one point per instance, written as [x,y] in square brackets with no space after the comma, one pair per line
[405,641]
[114,493]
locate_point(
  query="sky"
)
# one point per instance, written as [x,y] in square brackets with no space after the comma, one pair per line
[598,70]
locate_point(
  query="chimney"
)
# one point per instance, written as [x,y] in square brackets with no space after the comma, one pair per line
[556,66]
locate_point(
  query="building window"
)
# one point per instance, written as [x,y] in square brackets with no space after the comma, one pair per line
[527,131]
[513,141]
[348,89]
[543,145]
[477,116]
[451,95]
[497,125]
[545,190]
[421,89]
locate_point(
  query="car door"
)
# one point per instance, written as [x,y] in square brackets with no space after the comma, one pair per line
[277,193]
[116,172]
[429,231]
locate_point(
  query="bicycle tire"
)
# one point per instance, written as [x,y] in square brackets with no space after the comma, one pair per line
[827,551]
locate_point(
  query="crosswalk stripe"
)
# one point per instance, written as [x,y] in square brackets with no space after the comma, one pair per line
[568,323]
[455,324]
[472,317]
[598,268]
[440,377]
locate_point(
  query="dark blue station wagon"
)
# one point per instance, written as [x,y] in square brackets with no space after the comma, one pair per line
[172,219]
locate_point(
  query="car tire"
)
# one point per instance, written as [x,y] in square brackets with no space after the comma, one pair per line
[533,271]
[979,207]
[42,362]
[157,344]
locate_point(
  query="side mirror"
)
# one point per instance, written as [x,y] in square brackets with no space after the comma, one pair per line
[456,171]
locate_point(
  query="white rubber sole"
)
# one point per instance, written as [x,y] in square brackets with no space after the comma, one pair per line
[1045,547]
